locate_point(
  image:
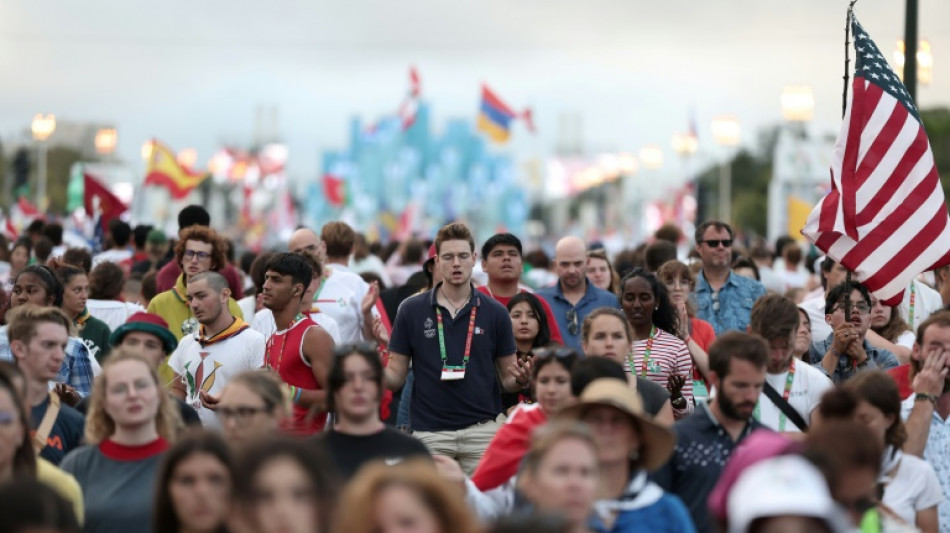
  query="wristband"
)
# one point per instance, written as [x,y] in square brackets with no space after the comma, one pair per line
[297,396]
[920,397]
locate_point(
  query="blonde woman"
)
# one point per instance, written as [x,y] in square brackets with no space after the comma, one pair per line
[129,425]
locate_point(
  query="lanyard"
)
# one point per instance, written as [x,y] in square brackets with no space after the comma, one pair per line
[913,296]
[646,355]
[789,379]
[468,340]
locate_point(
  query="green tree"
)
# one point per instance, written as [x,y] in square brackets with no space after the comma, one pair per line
[937,123]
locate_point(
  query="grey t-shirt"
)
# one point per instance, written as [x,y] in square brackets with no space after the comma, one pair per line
[652,394]
[118,486]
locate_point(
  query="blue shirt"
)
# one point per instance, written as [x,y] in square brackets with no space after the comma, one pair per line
[452,405]
[593,298]
[76,370]
[877,358]
[642,508]
[66,434]
[702,449]
[729,309]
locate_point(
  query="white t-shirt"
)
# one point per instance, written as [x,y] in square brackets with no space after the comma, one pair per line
[265,325]
[116,256]
[808,386]
[926,302]
[815,307]
[210,368]
[915,487]
[340,298]
[113,312]
[906,339]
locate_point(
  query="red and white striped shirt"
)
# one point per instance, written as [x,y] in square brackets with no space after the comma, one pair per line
[668,356]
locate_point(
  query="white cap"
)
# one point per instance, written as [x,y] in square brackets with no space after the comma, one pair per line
[787,485]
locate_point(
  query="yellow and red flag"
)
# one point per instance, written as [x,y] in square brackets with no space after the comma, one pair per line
[165,171]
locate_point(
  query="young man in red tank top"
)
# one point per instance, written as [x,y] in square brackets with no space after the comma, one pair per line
[300,352]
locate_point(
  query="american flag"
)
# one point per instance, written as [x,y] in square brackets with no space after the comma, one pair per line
[885,218]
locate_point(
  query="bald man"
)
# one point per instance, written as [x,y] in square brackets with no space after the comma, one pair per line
[342,295]
[574,296]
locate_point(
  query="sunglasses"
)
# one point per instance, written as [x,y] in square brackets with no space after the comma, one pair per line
[715,243]
[572,326]
[556,351]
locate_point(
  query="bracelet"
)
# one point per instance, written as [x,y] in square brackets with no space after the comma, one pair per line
[834,351]
[297,397]
[921,397]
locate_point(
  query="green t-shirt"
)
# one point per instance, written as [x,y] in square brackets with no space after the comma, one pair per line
[95,335]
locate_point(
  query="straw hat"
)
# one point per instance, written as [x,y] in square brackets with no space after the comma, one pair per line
[656,441]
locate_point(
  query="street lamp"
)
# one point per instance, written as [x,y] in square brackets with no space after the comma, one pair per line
[684,144]
[42,127]
[147,148]
[925,61]
[106,139]
[798,103]
[651,156]
[727,133]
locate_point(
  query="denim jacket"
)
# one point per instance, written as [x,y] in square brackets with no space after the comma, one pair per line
[729,309]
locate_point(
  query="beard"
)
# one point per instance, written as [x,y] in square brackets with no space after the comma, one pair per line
[731,409]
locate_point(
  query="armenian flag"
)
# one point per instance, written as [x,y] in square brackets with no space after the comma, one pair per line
[494,117]
[165,171]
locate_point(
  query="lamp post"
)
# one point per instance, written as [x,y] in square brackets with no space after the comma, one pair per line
[925,61]
[727,133]
[42,127]
[106,140]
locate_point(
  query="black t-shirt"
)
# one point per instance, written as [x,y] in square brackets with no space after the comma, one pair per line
[453,405]
[350,452]
[188,414]
[66,434]
[652,394]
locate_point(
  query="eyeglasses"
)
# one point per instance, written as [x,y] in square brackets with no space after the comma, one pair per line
[860,307]
[191,254]
[572,326]
[552,351]
[714,243]
[240,414]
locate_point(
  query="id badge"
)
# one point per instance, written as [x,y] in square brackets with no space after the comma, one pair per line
[452,374]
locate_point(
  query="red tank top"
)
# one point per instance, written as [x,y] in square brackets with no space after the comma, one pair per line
[285,356]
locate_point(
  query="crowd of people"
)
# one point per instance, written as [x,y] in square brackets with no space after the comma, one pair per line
[343,386]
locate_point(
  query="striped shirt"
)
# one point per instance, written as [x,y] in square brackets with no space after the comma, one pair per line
[668,356]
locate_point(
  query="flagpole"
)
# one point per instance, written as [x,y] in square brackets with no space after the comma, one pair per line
[844,111]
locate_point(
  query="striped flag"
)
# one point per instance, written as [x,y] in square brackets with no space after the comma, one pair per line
[885,218]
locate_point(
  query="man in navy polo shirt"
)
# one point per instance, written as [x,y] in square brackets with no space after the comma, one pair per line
[460,342]
[706,438]
[574,296]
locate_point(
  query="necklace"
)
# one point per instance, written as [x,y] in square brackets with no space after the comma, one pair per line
[456,308]
[283,343]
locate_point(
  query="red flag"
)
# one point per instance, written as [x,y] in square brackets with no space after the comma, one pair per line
[29,210]
[109,204]
[334,189]
[885,218]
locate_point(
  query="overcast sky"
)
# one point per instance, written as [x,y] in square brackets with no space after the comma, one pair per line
[192,72]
